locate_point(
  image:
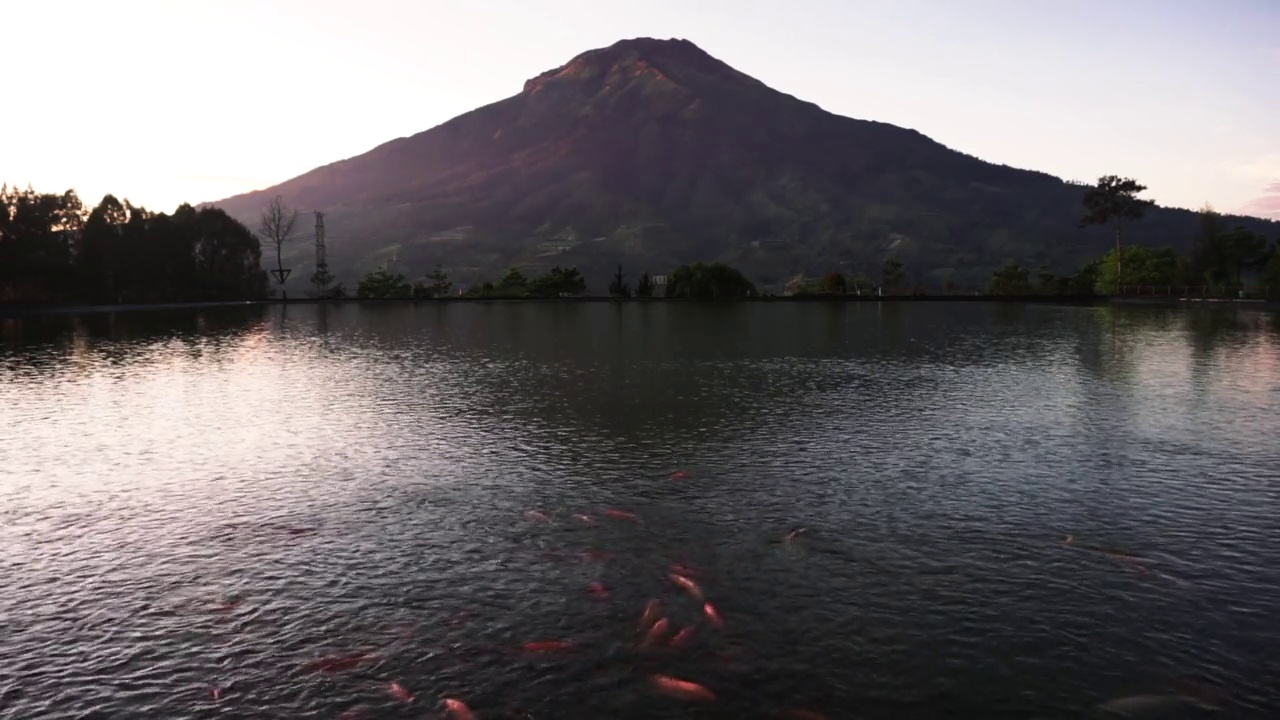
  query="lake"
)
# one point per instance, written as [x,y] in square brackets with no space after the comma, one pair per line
[1009,511]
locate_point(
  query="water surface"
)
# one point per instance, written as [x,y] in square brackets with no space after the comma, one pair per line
[206,499]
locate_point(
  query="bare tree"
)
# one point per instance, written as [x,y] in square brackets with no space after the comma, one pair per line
[278,221]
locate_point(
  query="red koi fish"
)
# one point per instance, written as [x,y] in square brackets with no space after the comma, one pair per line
[355,713]
[226,605]
[398,692]
[681,689]
[652,611]
[584,519]
[215,694]
[682,638]
[689,586]
[537,516]
[656,633]
[714,617]
[458,710]
[548,646]
[622,515]
[679,475]
[598,590]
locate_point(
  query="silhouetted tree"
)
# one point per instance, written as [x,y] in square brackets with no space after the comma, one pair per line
[559,282]
[644,287]
[618,288]
[1238,250]
[1114,201]
[1012,279]
[382,284]
[278,222]
[833,283]
[715,281]
[1143,266]
[1204,260]
[513,283]
[440,285]
[893,274]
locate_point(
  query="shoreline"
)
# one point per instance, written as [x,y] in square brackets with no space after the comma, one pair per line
[43,309]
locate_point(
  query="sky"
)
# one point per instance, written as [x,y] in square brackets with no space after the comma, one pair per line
[166,101]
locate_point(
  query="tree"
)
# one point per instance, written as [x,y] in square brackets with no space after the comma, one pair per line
[513,283]
[1238,250]
[618,288]
[716,281]
[644,287]
[1271,273]
[833,283]
[1085,281]
[440,285]
[1012,279]
[382,284]
[321,278]
[278,222]
[1114,201]
[893,273]
[559,282]
[1143,266]
[1204,259]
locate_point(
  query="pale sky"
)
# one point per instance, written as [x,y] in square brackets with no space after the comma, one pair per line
[164,101]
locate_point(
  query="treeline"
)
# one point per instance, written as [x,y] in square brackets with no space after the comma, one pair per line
[382,284]
[52,249]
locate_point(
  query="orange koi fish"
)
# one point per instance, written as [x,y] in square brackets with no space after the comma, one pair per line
[689,586]
[652,610]
[681,689]
[682,638]
[458,710]
[679,475]
[656,633]
[622,515]
[598,590]
[537,516]
[215,694]
[548,646]
[398,692]
[714,617]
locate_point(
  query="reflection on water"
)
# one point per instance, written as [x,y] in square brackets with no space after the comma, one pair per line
[215,499]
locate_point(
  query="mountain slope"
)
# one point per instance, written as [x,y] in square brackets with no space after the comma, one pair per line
[652,153]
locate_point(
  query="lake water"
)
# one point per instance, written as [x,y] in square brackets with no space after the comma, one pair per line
[198,500]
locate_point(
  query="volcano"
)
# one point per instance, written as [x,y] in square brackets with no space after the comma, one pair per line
[652,153]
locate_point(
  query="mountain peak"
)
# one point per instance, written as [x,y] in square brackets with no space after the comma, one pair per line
[675,61]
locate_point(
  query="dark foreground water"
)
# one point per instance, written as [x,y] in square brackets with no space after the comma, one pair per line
[199,500]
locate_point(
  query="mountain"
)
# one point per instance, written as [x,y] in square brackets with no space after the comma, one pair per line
[651,153]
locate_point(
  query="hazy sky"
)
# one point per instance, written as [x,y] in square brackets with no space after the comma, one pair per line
[163,101]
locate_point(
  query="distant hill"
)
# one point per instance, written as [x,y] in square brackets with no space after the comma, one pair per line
[651,153]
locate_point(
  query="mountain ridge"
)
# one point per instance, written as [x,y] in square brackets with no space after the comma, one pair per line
[653,153]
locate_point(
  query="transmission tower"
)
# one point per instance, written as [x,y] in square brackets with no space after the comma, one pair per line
[321,277]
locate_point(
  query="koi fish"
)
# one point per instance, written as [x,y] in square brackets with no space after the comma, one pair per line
[355,713]
[537,516]
[215,694]
[398,692]
[226,605]
[458,709]
[656,633]
[585,519]
[793,535]
[679,475]
[300,530]
[682,638]
[652,610]
[622,515]
[1143,704]
[598,590]
[689,586]
[714,617]
[681,689]
[548,646]
[595,555]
